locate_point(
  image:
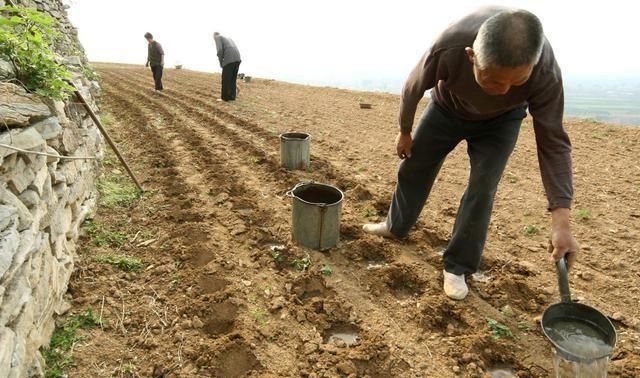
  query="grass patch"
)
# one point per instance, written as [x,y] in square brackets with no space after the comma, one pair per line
[58,354]
[114,193]
[103,237]
[111,238]
[584,214]
[498,330]
[512,178]
[106,119]
[530,230]
[122,262]
[90,226]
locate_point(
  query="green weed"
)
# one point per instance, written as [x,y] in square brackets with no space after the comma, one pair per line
[114,194]
[260,316]
[326,270]
[584,214]
[302,264]
[530,230]
[122,262]
[369,212]
[111,238]
[58,354]
[498,330]
[27,38]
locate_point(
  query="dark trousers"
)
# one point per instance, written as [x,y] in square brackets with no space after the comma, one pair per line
[229,77]
[157,76]
[489,145]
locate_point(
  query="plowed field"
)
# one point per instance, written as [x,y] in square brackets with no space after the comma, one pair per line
[223,293]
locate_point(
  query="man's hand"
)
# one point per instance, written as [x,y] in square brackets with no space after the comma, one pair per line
[562,242]
[146,64]
[403,145]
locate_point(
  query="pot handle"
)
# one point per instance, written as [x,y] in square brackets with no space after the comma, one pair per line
[563,280]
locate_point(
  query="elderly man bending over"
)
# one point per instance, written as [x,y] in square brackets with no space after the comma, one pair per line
[484,71]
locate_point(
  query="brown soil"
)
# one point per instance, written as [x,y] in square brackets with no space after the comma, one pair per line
[214,300]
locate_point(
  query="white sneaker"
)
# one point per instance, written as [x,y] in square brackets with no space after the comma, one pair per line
[454,286]
[379,229]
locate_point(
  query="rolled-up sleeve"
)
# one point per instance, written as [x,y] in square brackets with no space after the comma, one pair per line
[553,145]
[423,77]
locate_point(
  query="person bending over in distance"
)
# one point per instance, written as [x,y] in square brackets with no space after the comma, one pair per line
[229,58]
[484,71]
[155,59]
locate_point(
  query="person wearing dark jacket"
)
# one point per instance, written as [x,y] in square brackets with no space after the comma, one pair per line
[155,59]
[229,58]
[484,71]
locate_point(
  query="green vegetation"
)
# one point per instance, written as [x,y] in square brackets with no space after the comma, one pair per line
[524,326]
[260,316]
[107,120]
[58,354]
[26,40]
[302,264]
[114,193]
[277,256]
[122,262]
[129,368]
[111,238]
[369,212]
[530,230]
[90,73]
[584,214]
[326,270]
[90,226]
[498,330]
[103,237]
[512,178]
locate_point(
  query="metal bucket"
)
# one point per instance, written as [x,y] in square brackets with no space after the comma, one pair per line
[577,316]
[315,219]
[294,151]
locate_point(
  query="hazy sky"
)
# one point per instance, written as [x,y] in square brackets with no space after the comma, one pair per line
[337,41]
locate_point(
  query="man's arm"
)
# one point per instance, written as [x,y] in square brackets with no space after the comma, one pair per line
[220,49]
[161,51]
[554,157]
[553,145]
[423,77]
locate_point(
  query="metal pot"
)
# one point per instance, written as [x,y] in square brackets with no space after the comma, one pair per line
[578,316]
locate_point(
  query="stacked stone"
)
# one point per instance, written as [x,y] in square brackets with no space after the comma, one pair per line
[43,202]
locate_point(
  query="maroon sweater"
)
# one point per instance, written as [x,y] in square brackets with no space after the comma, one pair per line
[446,70]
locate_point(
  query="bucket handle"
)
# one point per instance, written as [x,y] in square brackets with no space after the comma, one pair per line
[563,280]
[290,194]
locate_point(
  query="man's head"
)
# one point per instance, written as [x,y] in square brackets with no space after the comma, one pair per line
[506,49]
[148,36]
[216,34]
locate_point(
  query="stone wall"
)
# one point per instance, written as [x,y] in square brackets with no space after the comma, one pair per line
[43,202]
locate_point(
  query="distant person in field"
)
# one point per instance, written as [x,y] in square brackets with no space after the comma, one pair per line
[484,71]
[155,59]
[229,58]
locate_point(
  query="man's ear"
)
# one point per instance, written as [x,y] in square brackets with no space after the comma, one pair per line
[470,54]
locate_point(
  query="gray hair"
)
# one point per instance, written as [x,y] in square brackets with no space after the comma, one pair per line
[511,38]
